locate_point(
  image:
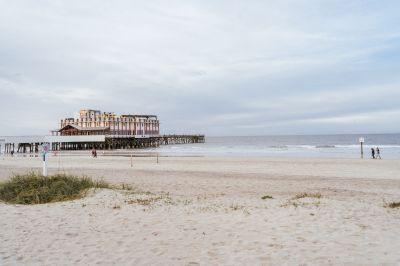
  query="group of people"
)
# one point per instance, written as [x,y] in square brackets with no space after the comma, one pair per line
[375,153]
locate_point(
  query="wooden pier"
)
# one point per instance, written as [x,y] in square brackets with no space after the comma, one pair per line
[94,129]
[110,142]
[150,142]
[115,142]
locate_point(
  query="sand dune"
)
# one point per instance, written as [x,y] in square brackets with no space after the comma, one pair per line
[189,211]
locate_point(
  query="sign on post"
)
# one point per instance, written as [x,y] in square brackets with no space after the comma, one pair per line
[45,150]
[361,140]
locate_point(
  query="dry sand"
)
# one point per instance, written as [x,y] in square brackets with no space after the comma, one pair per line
[209,211]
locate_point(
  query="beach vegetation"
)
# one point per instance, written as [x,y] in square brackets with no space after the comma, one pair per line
[307,195]
[187,202]
[144,202]
[116,207]
[146,199]
[266,197]
[126,187]
[33,188]
[393,204]
[236,207]
[296,204]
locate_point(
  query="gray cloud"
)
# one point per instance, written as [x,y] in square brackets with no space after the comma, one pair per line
[220,68]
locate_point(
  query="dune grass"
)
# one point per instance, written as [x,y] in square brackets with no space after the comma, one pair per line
[394,204]
[307,195]
[267,197]
[32,188]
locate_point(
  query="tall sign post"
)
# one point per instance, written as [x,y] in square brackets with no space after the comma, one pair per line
[45,150]
[361,140]
[131,161]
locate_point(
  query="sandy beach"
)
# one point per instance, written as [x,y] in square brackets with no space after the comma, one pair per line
[210,211]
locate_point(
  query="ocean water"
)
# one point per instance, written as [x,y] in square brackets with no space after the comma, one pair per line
[333,146]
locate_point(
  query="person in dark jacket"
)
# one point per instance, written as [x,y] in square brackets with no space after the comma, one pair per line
[372,153]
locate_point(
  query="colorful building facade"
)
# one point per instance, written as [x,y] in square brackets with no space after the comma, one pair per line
[95,122]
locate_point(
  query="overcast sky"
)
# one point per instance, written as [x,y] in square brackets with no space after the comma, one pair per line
[213,67]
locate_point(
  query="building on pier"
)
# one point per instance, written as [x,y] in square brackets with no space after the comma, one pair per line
[94,122]
[94,129]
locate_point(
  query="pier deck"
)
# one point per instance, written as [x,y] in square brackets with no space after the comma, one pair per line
[32,144]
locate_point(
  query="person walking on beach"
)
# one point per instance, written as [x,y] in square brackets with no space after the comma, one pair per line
[372,153]
[378,153]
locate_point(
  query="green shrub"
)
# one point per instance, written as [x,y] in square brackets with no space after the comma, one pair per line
[32,188]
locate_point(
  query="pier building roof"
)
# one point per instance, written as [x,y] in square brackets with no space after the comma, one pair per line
[83,128]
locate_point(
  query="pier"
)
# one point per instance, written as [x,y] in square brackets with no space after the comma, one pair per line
[32,144]
[93,129]
[150,142]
